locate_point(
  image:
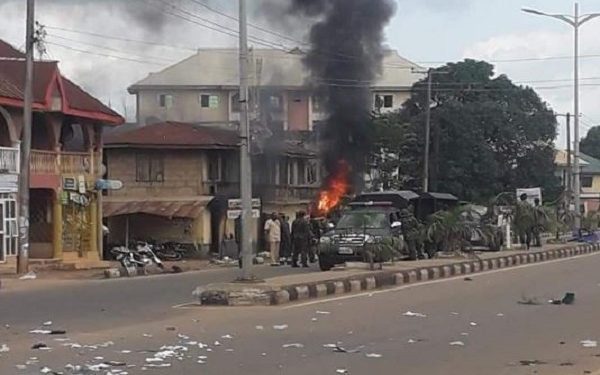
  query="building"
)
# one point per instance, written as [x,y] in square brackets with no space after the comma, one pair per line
[178,178]
[590,179]
[65,162]
[204,88]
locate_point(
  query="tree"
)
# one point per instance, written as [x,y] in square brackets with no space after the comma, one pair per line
[590,145]
[488,135]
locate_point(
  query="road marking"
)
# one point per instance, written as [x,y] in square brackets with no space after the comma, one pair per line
[403,287]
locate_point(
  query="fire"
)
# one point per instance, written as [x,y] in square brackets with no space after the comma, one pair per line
[336,187]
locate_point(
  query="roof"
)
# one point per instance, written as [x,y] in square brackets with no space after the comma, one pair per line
[405,194]
[220,68]
[47,82]
[189,208]
[591,165]
[174,135]
[440,196]
[560,158]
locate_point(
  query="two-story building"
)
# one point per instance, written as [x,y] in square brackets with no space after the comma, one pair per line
[65,162]
[589,169]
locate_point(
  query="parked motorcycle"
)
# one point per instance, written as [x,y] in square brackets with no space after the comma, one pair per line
[138,259]
[170,251]
[146,255]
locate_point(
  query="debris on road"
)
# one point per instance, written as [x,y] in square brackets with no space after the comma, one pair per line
[260,328]
[414,314]
[323,312]
[39,346]
[468,279]
[171,329]
[373,355]
[4,348]
[294,345]
[341,371]
[48,323]
[29,276]
[228,336]
[532,301]
[535,362]
[280,327]
[457,343]
[589,343]
[500,314]
[473,324]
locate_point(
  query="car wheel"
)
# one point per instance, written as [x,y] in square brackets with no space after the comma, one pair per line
[324,265]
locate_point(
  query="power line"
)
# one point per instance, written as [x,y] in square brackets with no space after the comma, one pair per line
[104,54]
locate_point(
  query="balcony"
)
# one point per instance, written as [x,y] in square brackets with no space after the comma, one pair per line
[9,160]
[287,192]
[54,163]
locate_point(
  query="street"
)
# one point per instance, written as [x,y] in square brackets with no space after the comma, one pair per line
[454,326]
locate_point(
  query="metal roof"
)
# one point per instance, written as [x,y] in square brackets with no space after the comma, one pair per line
[190,208]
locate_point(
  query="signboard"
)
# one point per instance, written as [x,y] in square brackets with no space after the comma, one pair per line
[109,185]
[532,194]
[81,184]
[236,204]
[69,183]
[234,214]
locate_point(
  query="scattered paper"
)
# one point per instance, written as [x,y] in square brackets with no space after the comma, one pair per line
[46,370]
[48,323]
[499,314]
[341,371]
[260,328]
[411,341]
[415,314]
[589,343]
[464,334]
[280,327]
[331,346]
[217,343]
[473,324]
[147,335]
[226,337]
[29,276]
[323,312]
[4,348]
[454,313]
[373,355]
[314,319]
[40,332]
[457,343]
[294,345]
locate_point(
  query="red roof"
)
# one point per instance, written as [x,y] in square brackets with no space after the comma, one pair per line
[47,81]
[8,51]
[174,135]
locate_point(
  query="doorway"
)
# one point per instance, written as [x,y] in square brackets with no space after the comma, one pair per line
[8,227]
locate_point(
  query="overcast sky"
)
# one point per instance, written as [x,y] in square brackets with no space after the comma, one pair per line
[425,31]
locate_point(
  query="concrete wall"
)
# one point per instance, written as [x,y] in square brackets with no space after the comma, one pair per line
[184,173]
[400,97]
[185,107]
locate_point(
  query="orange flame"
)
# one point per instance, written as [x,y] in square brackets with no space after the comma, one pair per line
[336,187]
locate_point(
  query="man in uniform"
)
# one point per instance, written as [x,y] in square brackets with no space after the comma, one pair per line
[285,248]
[410,231]
[301,239]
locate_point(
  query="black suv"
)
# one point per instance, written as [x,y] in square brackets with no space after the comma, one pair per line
[365,224]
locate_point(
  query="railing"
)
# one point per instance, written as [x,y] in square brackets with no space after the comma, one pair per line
[75,163]
[9,160]
[43,162]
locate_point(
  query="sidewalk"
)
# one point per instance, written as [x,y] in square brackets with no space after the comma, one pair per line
[299,287]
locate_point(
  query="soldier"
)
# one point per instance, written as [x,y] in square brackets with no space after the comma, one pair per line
[285,247]
[301,239]
[524,221]
[410,231]
[539,223]
[316,230]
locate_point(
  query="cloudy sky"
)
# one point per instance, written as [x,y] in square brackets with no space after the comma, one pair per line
[426,31]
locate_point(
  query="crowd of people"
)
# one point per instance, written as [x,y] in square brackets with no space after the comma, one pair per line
[289,244]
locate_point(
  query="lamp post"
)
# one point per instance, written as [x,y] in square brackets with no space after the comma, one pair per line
[576,20]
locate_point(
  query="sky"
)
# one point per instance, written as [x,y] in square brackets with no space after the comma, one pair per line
[429,32]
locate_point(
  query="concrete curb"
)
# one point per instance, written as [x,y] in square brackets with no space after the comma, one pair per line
[382,279]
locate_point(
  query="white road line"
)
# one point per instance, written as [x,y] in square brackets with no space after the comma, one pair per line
[416,285]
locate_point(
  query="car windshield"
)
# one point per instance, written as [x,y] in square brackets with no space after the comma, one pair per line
[361,220]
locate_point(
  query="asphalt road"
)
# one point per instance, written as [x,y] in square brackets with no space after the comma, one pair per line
[112,303]
[496,332]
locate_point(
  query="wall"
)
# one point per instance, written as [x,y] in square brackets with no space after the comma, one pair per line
[595,185]
[400,97]
[186,106]
[183,174]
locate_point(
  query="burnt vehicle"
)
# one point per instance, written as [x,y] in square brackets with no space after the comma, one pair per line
[358,232]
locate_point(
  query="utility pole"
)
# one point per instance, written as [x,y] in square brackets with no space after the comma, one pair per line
[427,132]
[245,161]
[576,20]
[569,168]
[23,255]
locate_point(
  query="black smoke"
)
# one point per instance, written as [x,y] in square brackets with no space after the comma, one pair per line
[345,56]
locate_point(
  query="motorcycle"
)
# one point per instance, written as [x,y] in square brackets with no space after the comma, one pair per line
[136,260]
[170,251]
[146,255]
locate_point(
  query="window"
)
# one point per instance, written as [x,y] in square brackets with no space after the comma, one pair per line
[149,168]
[235,103]
[215,168]
[312,169]
[8,226]
[165,100]
[388,101]
[587,181]
[209,101]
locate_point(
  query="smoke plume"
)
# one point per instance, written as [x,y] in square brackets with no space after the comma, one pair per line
[346,54]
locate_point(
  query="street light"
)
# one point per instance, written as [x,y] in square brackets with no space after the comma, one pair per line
[576,21]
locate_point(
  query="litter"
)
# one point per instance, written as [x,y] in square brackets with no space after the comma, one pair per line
[417,315]
[468,279]
[226,337]
[331,346]
[40,332]
[201,362]
[21,367]
[314,319]
[29,276]
[115,363]
[46,370]
[534,362]
[411,341]
[589,343]
[183,337]
[4,348]
[39,345]
[454,313]
[340,349]
[98,367]
[229,350]
[341,371]
[217,343]
[294,345]
[529,301]
[473,324]
[98,358]
[323,312]
[457,343]
[147,335]
[280,327]
[125,351]
[500,314]
[464,334]
[171,329]
[159,365]
[48,323]
[260,328]
[373,355]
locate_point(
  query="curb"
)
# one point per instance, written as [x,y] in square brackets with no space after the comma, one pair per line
[382,279]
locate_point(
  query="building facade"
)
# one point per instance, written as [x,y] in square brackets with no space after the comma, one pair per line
[66,154]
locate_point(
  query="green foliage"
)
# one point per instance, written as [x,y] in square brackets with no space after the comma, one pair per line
[449,228]
[591,221]
[488,136]
[590,145]
[383,250]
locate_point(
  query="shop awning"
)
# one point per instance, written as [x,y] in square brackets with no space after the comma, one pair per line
[189,208]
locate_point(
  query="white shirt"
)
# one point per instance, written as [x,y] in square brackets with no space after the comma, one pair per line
[273,229]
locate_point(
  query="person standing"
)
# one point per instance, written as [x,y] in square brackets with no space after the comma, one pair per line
[301,239]
[273,236]
[285,248]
